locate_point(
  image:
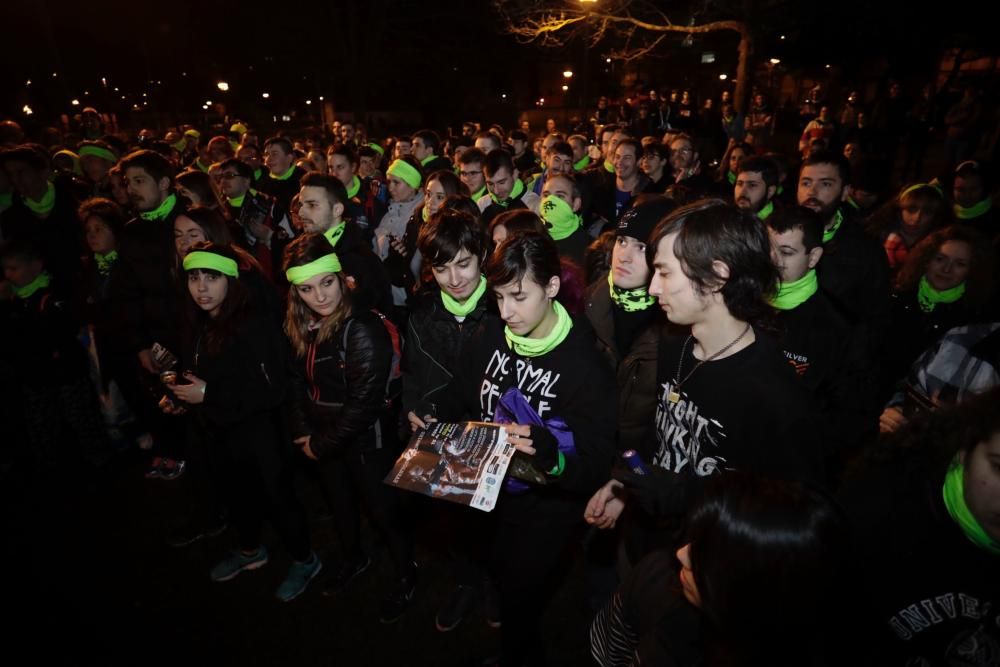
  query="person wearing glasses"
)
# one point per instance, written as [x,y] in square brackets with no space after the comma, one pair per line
[470,170]
[265,225]
[686,165]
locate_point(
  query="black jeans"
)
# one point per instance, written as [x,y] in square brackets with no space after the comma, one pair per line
[354,477]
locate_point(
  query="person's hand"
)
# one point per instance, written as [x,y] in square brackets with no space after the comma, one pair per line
[605,506]
[535,441]
[891,419]
[303,443]
[170,408]
[193,393]
[398,245]
[146,361]
[655,492]
[419,422]
[260,231]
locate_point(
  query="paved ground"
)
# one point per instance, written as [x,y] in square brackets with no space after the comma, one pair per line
[88,579]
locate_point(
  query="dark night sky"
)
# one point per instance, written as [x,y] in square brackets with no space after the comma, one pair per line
[438,58]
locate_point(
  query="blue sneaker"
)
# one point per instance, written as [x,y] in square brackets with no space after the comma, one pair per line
[298,578]
[236,562]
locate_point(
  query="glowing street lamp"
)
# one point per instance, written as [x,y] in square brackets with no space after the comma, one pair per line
[565,87]
[265,95]
[568,74]
[75,102]
[223,86]
[723,77]
[27,110]
[775,61]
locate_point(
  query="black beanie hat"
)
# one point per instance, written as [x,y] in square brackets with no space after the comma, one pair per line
[640,220]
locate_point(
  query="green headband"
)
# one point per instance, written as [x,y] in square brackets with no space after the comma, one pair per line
[192,133]
[375,147]
[326,264]
[200,259]
[98,151]
[917,186]
[405,172]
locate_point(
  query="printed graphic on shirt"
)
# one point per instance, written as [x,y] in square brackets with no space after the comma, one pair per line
[685,437]
[536,383]
[799,362]
[976,644]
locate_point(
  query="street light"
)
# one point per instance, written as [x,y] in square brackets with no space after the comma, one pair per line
[223,86]
[265,95]
[568,74]
[27,110]
[565,87]
[723,77]
[775,61]
[309,101]
[75,102]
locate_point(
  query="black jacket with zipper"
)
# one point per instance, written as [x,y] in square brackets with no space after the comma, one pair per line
[338,393]
[434,345]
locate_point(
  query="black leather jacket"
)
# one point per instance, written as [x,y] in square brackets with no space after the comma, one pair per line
[338,393]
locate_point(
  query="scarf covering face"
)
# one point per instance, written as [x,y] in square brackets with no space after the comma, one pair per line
[794,294]
[536,347]
[929,298]
[559,217]
[463,309]
[630,300]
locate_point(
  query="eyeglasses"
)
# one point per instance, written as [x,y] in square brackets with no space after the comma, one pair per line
[469,174]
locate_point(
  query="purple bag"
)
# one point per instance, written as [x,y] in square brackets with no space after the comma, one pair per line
[513,408]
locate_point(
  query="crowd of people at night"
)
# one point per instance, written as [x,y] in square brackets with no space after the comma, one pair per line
[762,374]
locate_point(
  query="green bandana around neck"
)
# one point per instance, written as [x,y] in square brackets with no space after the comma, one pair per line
[105,262]
[609,167]
[297,275]
[201,165]
[46,204]
[536,347]
[426,160]
[853,204]
[354,187]
[766,212]
[973,212]
[781,190]
[794,294]
[425,213]
[953,493]
[476,196]
[283,177]
[463,309]
[334,233]
[237,202]
[41,282]
[929,298]
[828,234]
[731,177]
[257,173]
[203,259]
[582,163]
[161,211]
[514,194]
[559,217]
[6,199]
[630,300]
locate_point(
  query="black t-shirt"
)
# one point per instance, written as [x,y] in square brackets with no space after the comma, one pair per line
[743,412]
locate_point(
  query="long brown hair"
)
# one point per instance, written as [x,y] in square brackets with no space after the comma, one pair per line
[234,307]
[979,282]
[303,250]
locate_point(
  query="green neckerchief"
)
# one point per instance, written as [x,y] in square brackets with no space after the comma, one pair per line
[853,204]
[559,217]
[285,176]
[954,500]
[979,209]
[794,294]
[425,213]
[609,167]
[161,211]
[463,309]
[47,203]
[536,347]
[41,282]
[105,262]
[514,194]
[334,233]
[204,167]
[731,177]
[781,190]
[929,298]
[582,163]
[629,300]
[766,212]
[838,220]
[476,196]
[6,199]
[237,202]
[423,163]
[256,173]
[354,188]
